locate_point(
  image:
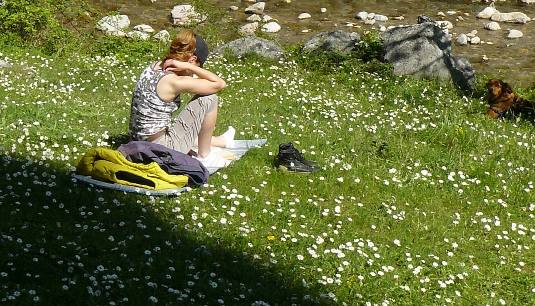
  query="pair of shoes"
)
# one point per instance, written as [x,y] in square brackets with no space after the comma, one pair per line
[290,159]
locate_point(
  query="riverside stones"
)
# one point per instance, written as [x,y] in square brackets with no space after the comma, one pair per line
[113,25]
[424,50]
[251,44]
[515,34]
[254,18]
[368,17]
[162,36]
[492,26]
[337,41]
[271,27]
[462,39]
[185,15]
[257,8]
[490,12]
[144,28]
[487,12]
[513,17]
[475,40]
[304,16]
[248,29]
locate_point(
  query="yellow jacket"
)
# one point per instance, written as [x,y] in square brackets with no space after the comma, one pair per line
[111,165]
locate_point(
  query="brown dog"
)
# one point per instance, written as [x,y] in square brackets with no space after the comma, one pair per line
[502,99]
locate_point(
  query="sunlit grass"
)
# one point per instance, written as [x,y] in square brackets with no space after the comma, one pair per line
[421,199]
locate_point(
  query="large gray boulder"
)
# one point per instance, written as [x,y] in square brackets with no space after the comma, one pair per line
[336,41]
[424,50]
[250,44]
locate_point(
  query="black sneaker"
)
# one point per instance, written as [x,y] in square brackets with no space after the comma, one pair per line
[290,159]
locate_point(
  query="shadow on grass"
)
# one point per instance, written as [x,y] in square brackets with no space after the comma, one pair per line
[67,243]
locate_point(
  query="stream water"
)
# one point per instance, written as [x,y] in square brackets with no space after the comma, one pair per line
[512,60]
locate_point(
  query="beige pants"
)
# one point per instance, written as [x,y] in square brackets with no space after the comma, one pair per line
[182,136]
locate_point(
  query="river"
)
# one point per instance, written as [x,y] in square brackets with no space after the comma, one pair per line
[512,60]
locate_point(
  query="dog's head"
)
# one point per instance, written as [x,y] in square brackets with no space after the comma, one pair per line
[498,88]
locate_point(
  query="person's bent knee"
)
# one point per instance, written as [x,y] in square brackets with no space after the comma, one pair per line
[207,103]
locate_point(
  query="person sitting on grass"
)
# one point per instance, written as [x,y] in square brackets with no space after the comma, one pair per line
[157,96]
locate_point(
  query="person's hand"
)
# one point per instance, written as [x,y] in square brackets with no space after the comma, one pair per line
[177,66]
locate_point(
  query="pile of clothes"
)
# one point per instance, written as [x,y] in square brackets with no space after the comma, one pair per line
[143,164]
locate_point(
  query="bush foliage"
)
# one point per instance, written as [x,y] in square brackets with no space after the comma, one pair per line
[33,23]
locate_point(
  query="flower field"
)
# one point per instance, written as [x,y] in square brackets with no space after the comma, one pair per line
[421,199]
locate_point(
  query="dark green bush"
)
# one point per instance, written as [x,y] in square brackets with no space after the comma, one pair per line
[367,57]
[32,23]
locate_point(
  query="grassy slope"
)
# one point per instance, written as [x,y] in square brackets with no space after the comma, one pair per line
[421,200]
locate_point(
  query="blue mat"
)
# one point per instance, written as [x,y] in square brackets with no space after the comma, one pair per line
[241,147]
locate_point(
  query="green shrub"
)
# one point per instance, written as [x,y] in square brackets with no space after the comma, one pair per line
[33,23]
[125,48]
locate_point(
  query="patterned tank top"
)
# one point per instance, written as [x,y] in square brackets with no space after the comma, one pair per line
[150,114]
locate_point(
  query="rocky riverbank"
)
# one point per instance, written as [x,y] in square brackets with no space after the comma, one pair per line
[497,39]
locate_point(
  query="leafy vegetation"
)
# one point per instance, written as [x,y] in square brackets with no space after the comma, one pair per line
[421,199]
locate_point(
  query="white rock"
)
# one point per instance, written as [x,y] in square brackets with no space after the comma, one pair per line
[475,40]
[460,18]
[248,29]
[444,24]
[304,16]
[382,28]
[369,21]
[514,17]
[254,18]
[233,8]
[487,12]
[257,8]
[113,23]
[515,34]
[271,27]
[362,15]
[398,18]
[462,39]
[144,28]
[472,33]
[371,15]
[380,17]
[266,18]
[162,36]
[527,1]
[451,13]
[441,14]
[493,26]
[186,15]
[323,10]
[138,35]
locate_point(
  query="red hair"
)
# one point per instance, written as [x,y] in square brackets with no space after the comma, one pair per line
[182,47]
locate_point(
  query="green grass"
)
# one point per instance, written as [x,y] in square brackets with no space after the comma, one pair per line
[421,199]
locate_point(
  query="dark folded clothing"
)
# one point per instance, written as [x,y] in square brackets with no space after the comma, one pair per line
[171,161]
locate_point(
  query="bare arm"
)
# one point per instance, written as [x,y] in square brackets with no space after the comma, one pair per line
[207,82]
